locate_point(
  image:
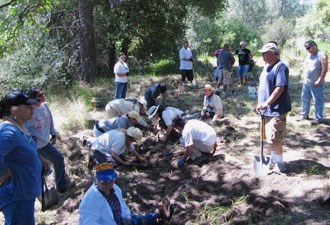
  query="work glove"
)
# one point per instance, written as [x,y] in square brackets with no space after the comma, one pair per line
[162,138]
[180,162]
[141,159]
[53,139]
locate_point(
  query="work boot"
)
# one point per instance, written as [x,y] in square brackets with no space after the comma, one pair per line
[280,167]
[244,81]
[241,81]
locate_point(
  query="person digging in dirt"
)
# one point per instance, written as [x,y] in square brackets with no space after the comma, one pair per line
[20,163]
[103,203]
[110,146]
[119,107]
[41,127]
[274,101]
[165,116]
[197,137]
[212,106]
[153,92]
[124,122]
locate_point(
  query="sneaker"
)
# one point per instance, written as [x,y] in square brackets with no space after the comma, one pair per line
[315,122]
[280,167]
[165,209]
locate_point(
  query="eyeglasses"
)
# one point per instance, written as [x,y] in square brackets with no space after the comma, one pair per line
[105,182]
[307,48]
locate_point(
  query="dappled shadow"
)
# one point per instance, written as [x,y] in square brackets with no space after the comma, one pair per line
[305,166]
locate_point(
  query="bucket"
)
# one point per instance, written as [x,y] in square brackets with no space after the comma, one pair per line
[253,91]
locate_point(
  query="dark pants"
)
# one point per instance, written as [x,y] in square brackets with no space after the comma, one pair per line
[23,213]
[50,153]
[187,74]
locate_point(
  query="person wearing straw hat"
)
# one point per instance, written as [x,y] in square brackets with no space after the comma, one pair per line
[20,162]
[212,105]
[103,203]
[124,122]
[197,137]
[110,146]
[119,107]
[165,116]
[274,101]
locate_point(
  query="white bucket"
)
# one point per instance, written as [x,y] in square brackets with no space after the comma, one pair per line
[253,91]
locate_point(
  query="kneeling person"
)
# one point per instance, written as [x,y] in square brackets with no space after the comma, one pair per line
[197,136]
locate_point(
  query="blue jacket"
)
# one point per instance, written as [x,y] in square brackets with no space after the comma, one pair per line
[95,210]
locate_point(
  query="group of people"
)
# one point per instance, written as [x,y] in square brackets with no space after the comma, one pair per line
[27,133]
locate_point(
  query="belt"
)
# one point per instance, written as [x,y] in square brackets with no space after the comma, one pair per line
[98,127]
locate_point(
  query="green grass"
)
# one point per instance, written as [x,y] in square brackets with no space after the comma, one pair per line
[212,215]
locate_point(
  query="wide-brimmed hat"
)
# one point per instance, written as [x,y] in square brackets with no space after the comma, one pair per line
[143,102]
[105,172]
[18,97]
[133,114]
[135,133]
[269,47]
[152,111]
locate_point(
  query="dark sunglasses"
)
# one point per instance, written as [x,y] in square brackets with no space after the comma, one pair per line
[307,48]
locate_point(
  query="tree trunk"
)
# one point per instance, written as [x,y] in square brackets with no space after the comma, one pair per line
[87,42]
[112,57]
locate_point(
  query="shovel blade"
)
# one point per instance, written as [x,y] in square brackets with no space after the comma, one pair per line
[261,165]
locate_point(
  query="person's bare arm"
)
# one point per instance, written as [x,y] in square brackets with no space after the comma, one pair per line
[272,98]
[324,66]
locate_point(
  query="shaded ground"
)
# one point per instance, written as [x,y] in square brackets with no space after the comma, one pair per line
[222,189]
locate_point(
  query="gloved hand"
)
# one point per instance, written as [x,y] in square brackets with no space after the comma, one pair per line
[141,159]
[162,138]
[53,139]
[180,162]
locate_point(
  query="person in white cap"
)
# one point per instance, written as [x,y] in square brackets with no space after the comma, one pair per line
[165,116]
[102,126]
[119,107]
[212,106]
[111,145]
[274,101]
[103,203]
[244,56]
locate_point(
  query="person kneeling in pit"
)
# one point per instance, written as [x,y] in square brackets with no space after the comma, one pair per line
[197,137]
[103,203]
[110,146]
[212,106]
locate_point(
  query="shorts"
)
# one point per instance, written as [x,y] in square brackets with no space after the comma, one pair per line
[189,74]
[225,76]
[275,128]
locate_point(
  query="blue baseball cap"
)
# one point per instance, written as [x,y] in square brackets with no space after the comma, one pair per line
[106,175]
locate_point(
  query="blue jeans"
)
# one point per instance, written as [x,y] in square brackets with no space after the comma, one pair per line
[120,90]
[50,153]
[243,70]
[309,92]
[6,200]
[23,213]
[144,219]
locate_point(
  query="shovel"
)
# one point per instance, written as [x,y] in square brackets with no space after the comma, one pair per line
[261,164]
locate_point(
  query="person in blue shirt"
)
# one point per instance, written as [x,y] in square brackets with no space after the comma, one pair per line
[19,160]
[153,92]
[103,203]
[274,101]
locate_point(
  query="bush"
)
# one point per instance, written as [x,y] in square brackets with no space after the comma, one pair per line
[164,66]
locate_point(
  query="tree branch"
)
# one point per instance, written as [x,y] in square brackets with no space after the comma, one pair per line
[8,4]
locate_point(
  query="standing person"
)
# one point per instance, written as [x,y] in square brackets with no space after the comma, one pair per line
[165,116]
[153,92]
[274,101]
[103,203]
[226,62]
[110,146]
[197,136]
[315,70]
[244,56]
[20,163]
[121,79]
[124,122]
[186,65]
[212,106]
[41,127]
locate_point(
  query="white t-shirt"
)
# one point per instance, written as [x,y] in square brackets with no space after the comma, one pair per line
[111,141]
[121,68]
[169,114]
[198,130]
[214,102]
[185,53]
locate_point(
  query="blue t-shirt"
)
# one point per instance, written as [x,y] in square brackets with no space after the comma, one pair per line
[18,152]
[273,76]
[153,91]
